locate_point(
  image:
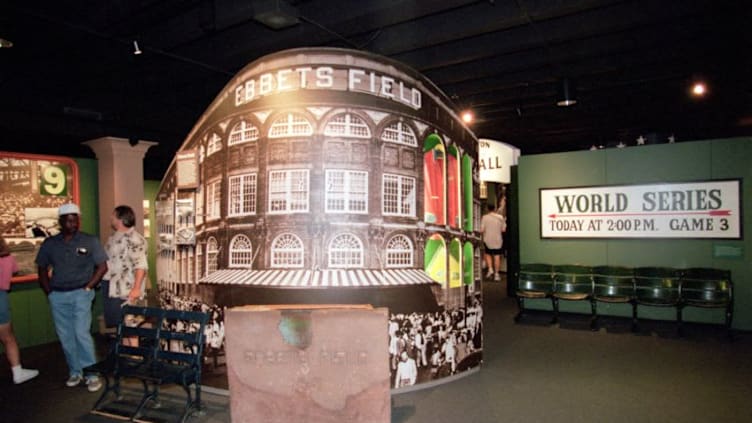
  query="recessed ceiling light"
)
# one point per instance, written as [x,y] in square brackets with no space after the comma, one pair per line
[699,89]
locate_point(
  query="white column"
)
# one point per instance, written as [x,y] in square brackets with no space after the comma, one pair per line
[121,178]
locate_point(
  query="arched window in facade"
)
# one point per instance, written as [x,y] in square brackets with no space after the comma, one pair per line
[467,193]
[455,264]
[399,252]
[468,268]
[434,164]
[345,251]
[290,125]
[213,144]
[241,252]
[287,251]
[436,259]
[399,133]
[347,125]
[212,255]
[453,186]
[243,131]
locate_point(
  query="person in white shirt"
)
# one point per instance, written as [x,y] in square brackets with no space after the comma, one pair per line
[125,280]
[492,225]
[407,371]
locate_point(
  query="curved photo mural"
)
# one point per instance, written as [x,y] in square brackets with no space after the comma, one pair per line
[331,176]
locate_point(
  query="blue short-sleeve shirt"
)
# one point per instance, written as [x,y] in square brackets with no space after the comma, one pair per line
[72,262]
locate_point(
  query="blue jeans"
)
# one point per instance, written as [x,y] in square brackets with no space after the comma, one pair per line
[71,312]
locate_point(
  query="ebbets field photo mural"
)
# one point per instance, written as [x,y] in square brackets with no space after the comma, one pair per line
[331,176]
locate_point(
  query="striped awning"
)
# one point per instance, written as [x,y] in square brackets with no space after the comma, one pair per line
[329,278]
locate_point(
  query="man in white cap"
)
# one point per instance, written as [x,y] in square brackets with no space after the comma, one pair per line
[78,262]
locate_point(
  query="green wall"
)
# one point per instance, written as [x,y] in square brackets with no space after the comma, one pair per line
[681,162]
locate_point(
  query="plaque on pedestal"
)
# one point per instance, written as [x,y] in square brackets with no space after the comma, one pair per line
[308,363]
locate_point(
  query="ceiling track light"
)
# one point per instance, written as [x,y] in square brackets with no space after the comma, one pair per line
[566,93]
[136,50]
[276,14]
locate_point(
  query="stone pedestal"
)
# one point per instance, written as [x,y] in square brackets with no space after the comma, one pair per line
[308,363]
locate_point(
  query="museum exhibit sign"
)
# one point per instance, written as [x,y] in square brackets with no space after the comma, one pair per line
[702,209]
[331,176]
[33,187]
[495,159]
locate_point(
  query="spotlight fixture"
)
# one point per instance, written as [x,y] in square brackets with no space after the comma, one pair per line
[699,89]
[5,43]
[566,93]
[136,50]
[468,116]
[276,14]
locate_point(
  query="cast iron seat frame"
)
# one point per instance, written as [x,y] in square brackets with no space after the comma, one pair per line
[656,286]
[611,284]
[572,283]
[153,362]
[707,288]
[534,281]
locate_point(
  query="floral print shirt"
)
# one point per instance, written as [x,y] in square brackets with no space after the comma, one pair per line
[126,252]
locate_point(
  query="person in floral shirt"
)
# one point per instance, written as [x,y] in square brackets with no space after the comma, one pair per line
[125,280]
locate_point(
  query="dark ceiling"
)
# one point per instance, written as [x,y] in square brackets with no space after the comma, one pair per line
[71,75]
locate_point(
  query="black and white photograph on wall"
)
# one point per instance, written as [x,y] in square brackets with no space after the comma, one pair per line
[33,187]
[41,222]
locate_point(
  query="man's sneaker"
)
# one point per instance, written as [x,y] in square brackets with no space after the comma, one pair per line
[74,380]
[22,375]
[93,384]
[490,273]
[497,278]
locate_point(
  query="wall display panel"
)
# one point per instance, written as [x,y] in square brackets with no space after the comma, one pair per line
[328,201]
[706,209]
[495,160]
[33,187]
[694,162]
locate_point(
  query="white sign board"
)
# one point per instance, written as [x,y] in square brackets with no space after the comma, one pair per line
[494,160]
[708,209]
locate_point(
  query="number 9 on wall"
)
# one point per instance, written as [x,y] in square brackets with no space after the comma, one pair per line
[54,180]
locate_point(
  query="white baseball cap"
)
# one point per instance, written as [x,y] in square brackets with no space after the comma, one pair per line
[69,208]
